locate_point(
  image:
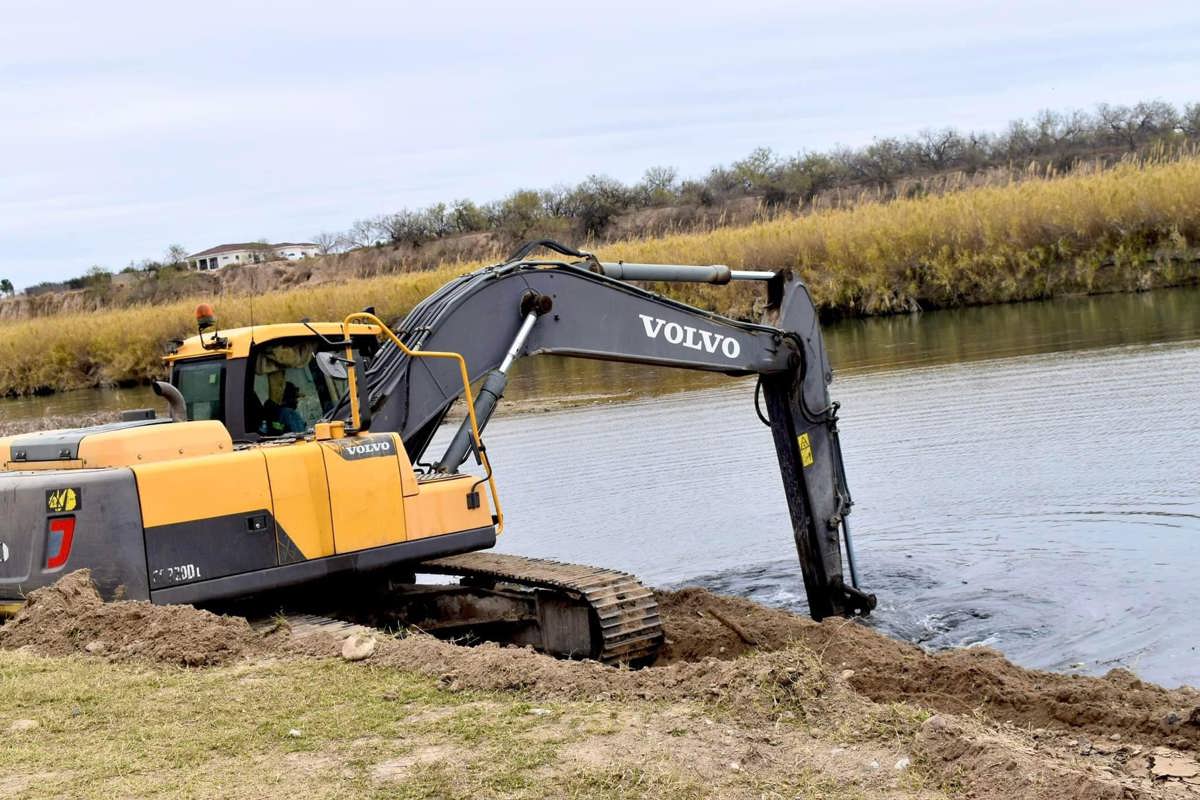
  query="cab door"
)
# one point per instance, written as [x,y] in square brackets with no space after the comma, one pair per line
[366,499]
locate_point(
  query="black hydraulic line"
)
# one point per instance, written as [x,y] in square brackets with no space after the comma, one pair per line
[549,244]
[757,407]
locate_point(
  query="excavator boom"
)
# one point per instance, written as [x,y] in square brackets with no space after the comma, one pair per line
[578,306]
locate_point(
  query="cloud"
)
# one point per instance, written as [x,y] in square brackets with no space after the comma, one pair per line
[141,124]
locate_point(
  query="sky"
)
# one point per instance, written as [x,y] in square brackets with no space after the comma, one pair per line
[127,126]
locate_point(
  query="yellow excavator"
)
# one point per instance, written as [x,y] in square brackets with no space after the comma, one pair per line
[292,468]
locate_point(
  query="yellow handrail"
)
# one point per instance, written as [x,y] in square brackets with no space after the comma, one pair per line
[356,416]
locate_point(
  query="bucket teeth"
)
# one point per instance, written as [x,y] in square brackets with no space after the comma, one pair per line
[624,612]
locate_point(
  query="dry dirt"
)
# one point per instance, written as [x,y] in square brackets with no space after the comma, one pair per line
[69,617]
[962,681]
[997,730]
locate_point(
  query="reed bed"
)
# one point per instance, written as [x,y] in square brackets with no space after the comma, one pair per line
[1130,227]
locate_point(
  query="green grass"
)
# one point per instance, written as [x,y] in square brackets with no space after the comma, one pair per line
[108,730]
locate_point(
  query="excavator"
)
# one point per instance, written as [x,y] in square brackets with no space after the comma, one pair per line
[295,463]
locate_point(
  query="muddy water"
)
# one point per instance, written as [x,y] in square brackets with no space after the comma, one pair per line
[1025,476]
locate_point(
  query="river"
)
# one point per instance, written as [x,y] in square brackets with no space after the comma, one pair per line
[1025,476]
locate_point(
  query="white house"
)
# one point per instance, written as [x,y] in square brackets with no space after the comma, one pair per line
[250,253]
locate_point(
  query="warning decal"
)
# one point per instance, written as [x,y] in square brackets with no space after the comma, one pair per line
[806,456]
[61,500]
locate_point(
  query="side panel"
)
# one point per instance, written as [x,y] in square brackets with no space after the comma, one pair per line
[99,507]
[300,495]
[359,561]
[206,517]
[441,507]
[122,448]
[366,495]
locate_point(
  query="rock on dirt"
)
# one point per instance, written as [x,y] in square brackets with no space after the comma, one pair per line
[1165,764]
[358,646]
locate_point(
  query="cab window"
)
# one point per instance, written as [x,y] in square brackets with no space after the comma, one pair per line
[293,385]
[202,384]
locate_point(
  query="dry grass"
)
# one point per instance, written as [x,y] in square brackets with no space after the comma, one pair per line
[1130,227]
[69,351]
[1127,228]
[328,729]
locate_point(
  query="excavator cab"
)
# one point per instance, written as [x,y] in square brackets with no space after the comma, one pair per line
[266,381]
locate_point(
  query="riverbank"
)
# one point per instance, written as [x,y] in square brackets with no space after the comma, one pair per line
[128,699]
[1130,228]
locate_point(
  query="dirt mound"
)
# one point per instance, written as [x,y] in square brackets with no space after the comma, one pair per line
[70,617]
[779,682]
[700,624]
[992,764]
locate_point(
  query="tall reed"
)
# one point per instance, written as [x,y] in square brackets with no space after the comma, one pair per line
[1126,228]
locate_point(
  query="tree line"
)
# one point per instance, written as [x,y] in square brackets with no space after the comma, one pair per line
[588,210]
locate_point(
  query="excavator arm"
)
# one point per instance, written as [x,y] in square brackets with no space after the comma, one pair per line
[578,306]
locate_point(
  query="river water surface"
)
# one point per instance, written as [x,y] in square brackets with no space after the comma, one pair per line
[1025,476]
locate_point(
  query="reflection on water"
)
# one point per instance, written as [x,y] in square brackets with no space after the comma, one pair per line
[70,404]
[1025,476]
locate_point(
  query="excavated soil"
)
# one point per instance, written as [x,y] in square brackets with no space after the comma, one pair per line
[717,648]
[69,617]
[700,624]
[1000,731]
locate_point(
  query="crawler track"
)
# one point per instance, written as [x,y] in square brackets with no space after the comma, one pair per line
[624,613]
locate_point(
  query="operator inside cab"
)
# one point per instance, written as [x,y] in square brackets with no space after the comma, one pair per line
[294,385]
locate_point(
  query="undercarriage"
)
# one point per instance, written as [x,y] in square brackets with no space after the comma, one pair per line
[566,610]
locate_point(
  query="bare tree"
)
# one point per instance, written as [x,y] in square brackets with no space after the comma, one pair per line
[363,233]
[328,243]
[936,150]
[176,255]
[659,186]
[1189,121]
[1139,124]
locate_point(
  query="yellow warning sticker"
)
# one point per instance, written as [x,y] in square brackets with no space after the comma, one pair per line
[60,500]
[806,456]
